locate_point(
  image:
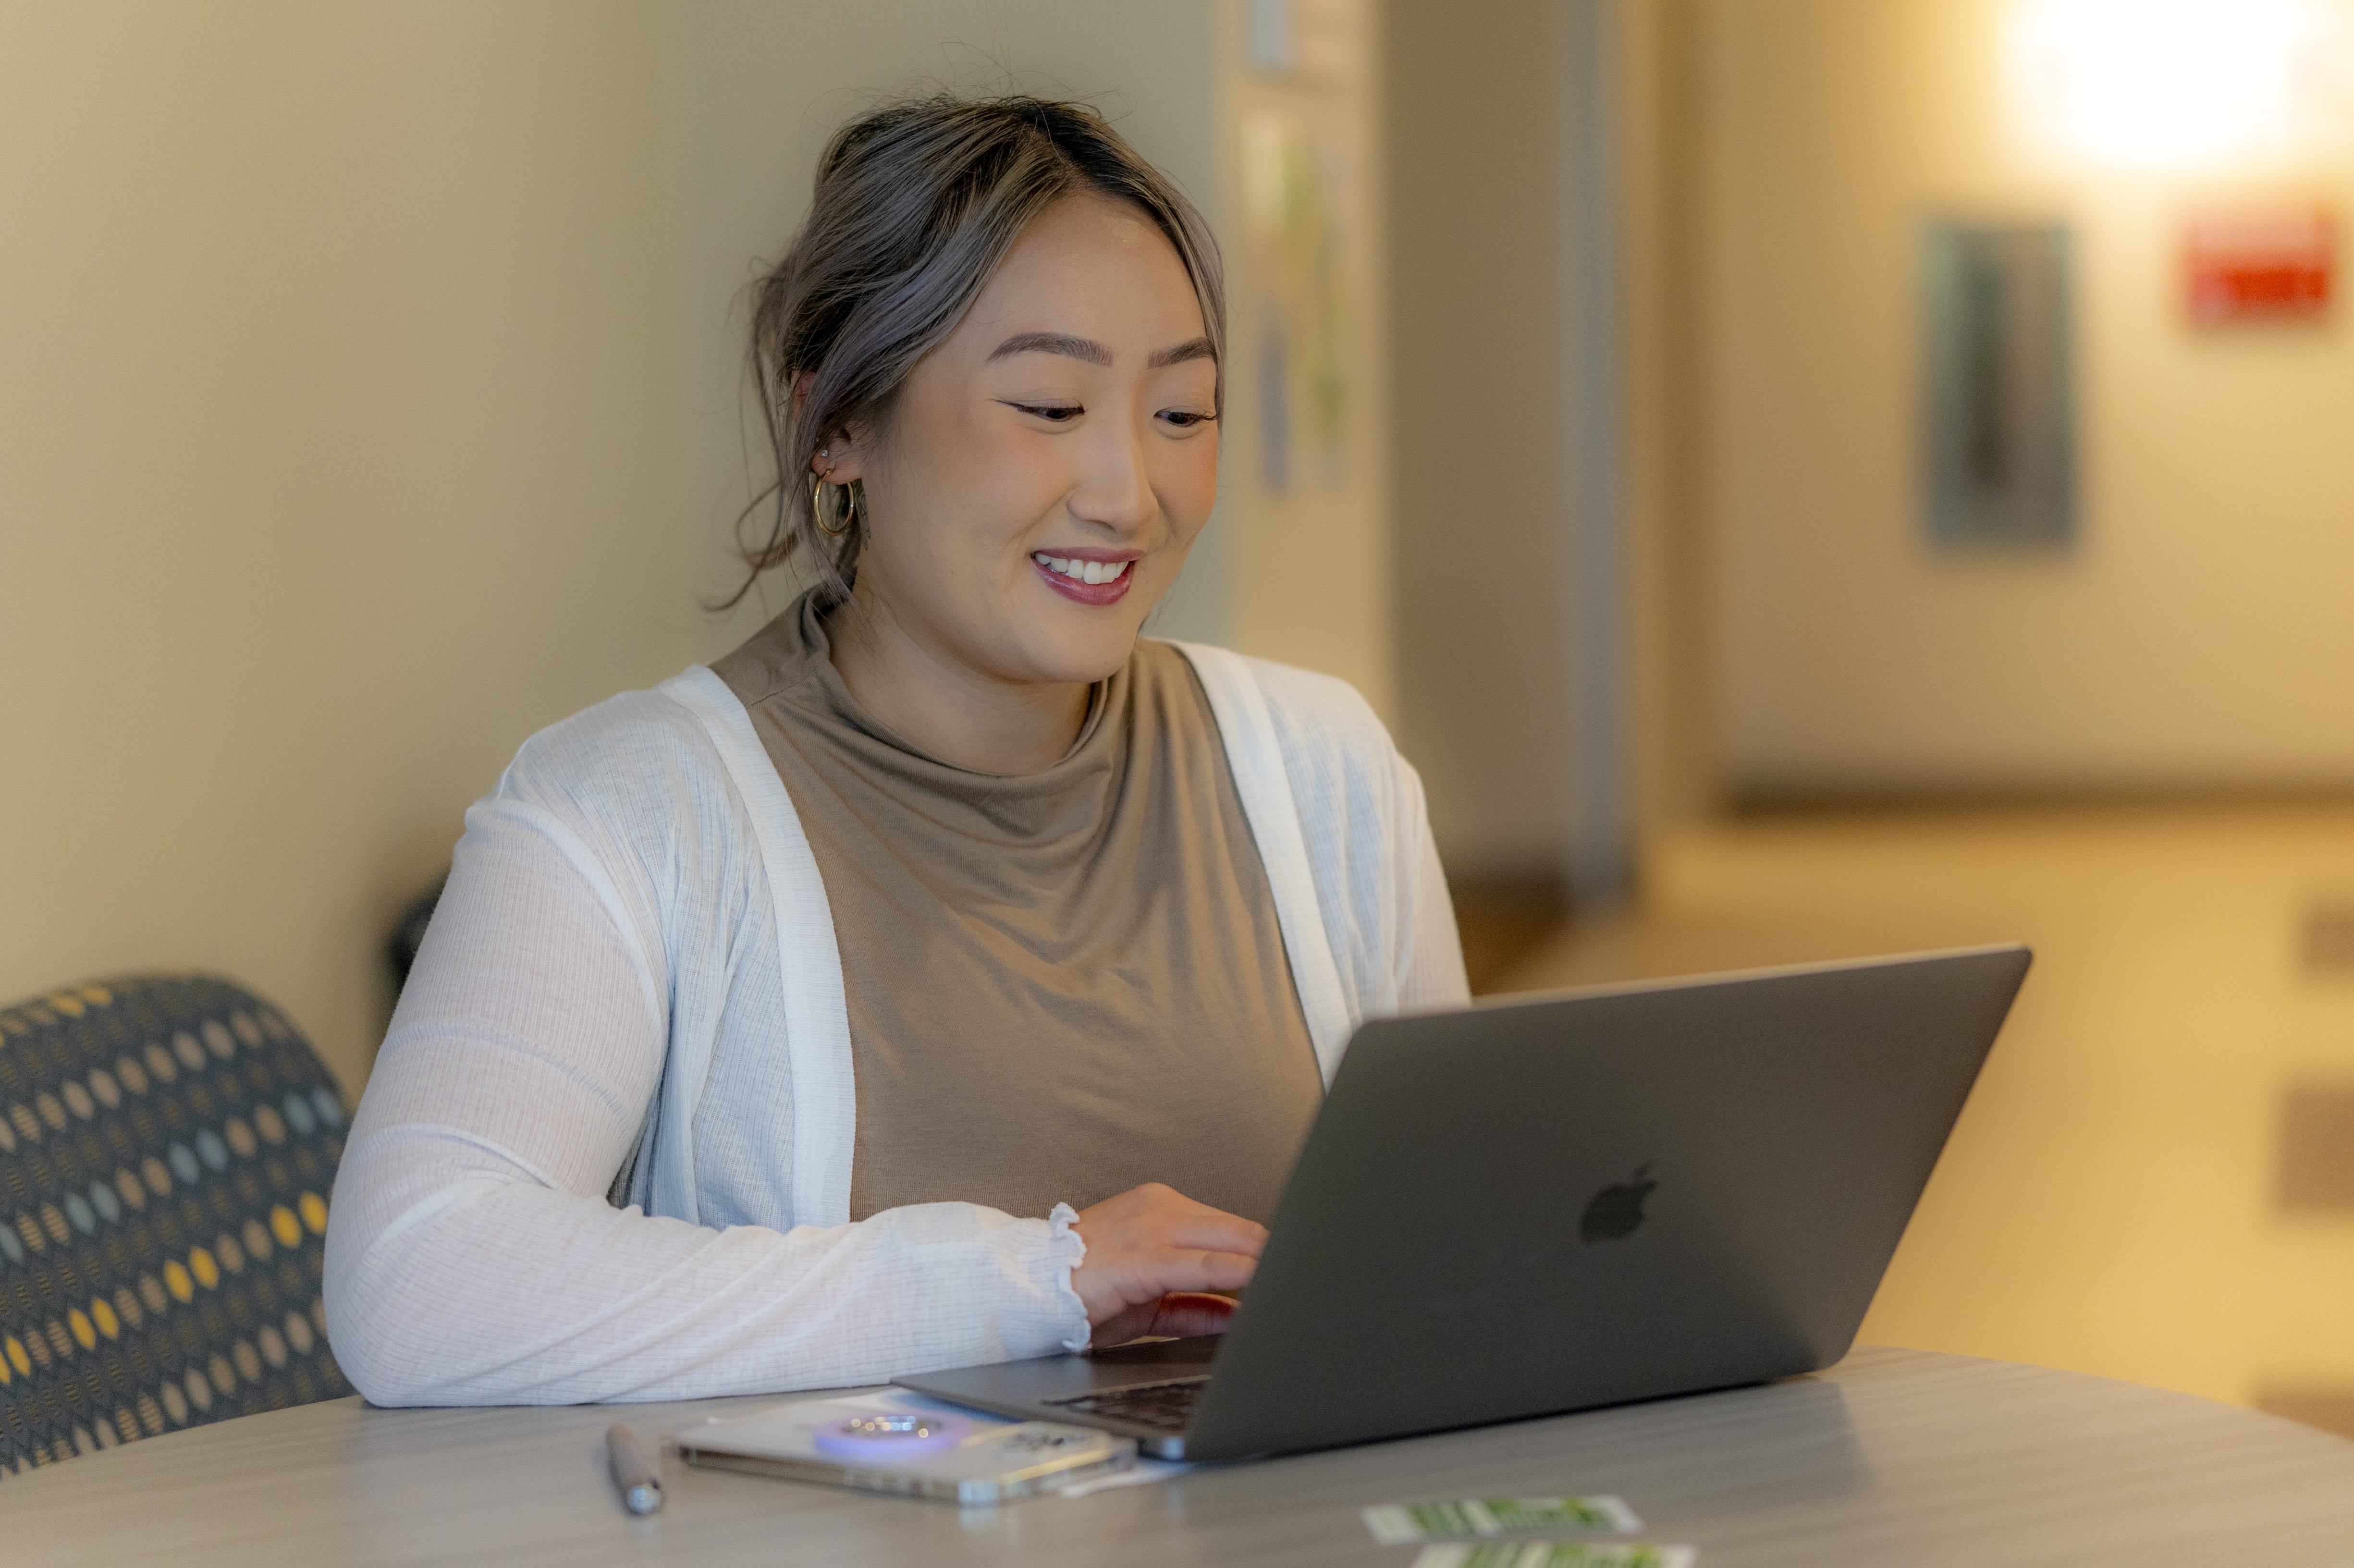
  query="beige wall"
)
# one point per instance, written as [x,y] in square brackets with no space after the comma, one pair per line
[370,401]
[333,461]
[2200,634]
[1477,425]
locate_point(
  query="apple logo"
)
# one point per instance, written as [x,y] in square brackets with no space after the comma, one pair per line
[1615,1212]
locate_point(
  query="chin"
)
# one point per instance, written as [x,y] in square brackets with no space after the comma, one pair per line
[1082,655]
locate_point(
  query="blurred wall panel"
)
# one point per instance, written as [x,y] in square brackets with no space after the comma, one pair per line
[1475,175]
[2195,636]
[334,461]
[1305,477]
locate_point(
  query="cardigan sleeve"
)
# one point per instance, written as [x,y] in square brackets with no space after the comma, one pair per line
[472,1254]
[1365,830]
[1428,962]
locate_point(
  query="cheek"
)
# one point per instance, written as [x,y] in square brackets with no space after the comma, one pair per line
[1022,474]
[1189,483]
[957,496]
[1004,479]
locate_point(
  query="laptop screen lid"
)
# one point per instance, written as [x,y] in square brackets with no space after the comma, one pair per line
[1599,1196]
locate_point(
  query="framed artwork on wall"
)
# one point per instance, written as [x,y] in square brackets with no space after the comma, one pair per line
[1997,398]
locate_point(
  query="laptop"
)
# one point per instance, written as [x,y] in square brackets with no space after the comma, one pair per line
[1563,1202]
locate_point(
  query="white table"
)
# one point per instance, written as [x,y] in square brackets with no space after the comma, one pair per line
[1893,1457]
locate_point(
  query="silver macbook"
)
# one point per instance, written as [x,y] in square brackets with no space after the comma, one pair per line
[1562,1202]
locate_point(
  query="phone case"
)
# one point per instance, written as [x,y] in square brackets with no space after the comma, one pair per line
[947,1459]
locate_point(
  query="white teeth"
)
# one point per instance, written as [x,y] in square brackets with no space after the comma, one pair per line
[1083,571]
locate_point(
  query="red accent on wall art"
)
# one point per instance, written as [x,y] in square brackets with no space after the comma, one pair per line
[2258,265]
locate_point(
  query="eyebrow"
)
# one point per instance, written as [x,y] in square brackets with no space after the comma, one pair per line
[1192,348]
[1078,348]
[1091,352]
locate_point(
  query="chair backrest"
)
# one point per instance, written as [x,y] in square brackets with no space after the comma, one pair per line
[167,1144]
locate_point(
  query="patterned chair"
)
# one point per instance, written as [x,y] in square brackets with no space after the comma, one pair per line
[166,1147]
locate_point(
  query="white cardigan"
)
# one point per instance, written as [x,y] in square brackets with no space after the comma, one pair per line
[634,967]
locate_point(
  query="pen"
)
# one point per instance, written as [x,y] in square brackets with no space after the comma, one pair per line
[637,1475]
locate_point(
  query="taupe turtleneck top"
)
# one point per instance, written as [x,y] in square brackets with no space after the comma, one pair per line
[1060,984]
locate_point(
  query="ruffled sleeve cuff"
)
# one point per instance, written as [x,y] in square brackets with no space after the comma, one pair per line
[1066,1249]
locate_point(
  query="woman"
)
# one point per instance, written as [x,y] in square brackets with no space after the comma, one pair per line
[948,974]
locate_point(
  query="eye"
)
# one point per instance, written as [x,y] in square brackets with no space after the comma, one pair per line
[1053,413]
[1186,419]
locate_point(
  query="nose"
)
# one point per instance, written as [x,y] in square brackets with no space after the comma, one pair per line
[1115,491]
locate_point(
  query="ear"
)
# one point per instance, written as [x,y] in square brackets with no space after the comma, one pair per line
[838,462]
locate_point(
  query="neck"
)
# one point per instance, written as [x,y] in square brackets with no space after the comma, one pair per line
[941,705]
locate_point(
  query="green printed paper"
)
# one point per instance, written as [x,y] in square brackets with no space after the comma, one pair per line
[1554,1554]
[1471,1519]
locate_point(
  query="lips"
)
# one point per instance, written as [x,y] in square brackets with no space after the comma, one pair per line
[1087,577]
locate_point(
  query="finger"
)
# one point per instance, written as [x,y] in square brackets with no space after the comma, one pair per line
[1213,1229]
[1204,1271]
[1180,1220]
[1143,1280]
[1127,1323]
[1182,1315]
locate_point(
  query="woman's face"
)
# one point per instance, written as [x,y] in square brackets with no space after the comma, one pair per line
[1048,465]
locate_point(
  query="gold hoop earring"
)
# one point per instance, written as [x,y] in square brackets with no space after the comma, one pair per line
[849,508]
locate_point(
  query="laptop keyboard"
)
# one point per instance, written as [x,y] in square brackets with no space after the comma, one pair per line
[1163,1406]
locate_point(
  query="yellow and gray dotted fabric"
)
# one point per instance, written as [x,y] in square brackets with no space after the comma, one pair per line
[166,1148]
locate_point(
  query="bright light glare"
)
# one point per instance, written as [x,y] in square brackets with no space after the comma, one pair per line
[2181,84]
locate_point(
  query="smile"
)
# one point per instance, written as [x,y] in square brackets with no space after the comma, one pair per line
[1082,571]
[1096,582]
